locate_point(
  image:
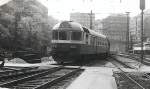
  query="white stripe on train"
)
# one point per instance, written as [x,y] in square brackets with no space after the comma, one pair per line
[68,41]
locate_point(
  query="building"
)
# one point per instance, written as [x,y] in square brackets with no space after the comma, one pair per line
[136,27]
[84,19]
[115,28]
[98,25]
[28,14]
[147,24]
[27,23]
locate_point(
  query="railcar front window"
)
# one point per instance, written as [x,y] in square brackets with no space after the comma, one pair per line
[62,35]
[76,36]
[55,35]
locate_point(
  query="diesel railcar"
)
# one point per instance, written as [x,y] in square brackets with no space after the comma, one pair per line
[73,42]
[146,48]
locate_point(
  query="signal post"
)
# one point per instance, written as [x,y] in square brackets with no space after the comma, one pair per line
[142,7]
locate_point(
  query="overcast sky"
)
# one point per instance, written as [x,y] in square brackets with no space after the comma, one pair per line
[61,9]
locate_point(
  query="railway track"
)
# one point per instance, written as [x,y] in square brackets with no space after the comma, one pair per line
[131,80]
[13,77]
[133,56]
[128,60]
[120,63]
[41,80]
[145,61]
[11,71]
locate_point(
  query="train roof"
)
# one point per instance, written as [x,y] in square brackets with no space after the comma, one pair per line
[92,32]
[68,25]
[75,26]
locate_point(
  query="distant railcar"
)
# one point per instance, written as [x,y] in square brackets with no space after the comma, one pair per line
[73,42]
[146,48]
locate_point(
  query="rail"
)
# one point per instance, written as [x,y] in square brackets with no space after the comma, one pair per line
[41,80]
[130,78]
[25,78]
[124,64]
[50,83]
[136,57]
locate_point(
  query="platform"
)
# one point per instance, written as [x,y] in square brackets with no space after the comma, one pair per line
[101,77]
[95,78]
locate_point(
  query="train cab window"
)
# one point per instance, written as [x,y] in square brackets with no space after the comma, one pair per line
[62,35]
[76,36]
[55,35]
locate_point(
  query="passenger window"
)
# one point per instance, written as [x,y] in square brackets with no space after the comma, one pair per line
[76,36]
[62,35]
[55,35]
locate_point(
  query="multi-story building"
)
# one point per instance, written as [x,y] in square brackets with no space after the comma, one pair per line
[136,27]
[147,24]
[27,23]
[98,25]
[23,10]
[85,19]
[115,28]
[25,6]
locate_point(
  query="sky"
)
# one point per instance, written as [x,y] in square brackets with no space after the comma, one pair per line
[61,9]
[2,2]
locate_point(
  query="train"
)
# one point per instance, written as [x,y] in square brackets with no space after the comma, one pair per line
[137,48]
[72,42]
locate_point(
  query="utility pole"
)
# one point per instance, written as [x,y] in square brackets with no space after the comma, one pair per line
[91,15]
[15,40]
[136,28]
[127,33]
[142,7]
[142,52]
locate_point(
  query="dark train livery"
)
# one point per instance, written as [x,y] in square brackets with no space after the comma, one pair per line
[73,42]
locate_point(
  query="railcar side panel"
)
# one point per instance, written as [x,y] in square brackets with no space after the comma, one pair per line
[88,49]
[101,49]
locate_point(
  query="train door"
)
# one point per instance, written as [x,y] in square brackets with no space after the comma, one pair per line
[87,38]
[108,44]
[86,31]
[95,44]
